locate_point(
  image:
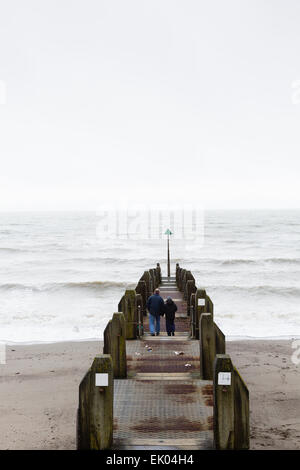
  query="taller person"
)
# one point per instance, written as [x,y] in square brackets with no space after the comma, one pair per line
[155,306]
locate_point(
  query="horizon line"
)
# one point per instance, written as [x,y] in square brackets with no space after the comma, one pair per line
[204,210]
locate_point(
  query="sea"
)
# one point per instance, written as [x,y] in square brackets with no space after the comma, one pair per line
[61,281]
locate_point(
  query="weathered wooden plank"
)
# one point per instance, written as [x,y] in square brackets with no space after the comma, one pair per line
[241,413]
[207,346]
[115,344]
[223,405]
[95,410]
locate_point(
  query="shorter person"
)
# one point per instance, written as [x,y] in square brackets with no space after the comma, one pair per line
[170,309]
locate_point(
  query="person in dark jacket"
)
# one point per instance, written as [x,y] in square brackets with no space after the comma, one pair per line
[155,306]
[169,310]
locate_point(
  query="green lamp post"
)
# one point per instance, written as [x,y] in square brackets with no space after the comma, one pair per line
[168,232]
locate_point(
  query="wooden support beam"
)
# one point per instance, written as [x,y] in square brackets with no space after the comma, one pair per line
[127,305]
[147,278]
[115,344]
[193,316]
[95,411]
[139,314]
[200,307]
[220,340]
[190,289]
[223,403]
[207,346]
[241,413]
[177,273]
[158,272]
[141,289]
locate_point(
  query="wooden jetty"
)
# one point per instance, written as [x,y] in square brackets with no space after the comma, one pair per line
[163,392]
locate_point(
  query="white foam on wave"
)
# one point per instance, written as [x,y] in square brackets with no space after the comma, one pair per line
[58,282]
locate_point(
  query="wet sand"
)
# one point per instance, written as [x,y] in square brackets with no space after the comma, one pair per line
[39,393]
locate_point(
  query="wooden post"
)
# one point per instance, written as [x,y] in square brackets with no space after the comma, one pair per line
[179,278]
[200,304]
[152,280]
[188,276]
[141,289]
[190,289]
[121,305]
[182,274]
[184,281]
[193,316]
[158,270]
[140,322]
[127,305]
[115,344]
[220,340]
[147,278]
[209,306]
[177,273]
[95,410]
[207,346]
[155,278]
[223,403]
[107,338]
[131,320]
[152,283]
[241,413]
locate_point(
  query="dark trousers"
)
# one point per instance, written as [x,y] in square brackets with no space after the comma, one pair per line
[170,326]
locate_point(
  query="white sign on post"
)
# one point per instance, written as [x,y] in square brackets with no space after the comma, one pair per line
[101,380]
[201,302]
[224,378]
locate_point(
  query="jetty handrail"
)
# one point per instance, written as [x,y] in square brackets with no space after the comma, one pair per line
[231,401]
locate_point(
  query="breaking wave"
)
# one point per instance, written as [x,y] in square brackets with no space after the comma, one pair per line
[256,290]
[58,286]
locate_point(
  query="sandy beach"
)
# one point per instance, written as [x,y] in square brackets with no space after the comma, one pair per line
[274,385]
[39,393]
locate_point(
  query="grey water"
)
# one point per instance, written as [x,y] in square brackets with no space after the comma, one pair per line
[59,281]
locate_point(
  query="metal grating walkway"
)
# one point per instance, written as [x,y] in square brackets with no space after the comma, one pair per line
[163,357]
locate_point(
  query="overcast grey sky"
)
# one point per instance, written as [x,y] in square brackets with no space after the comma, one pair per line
[135,99]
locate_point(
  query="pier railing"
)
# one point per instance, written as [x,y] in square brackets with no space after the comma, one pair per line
[230,394]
